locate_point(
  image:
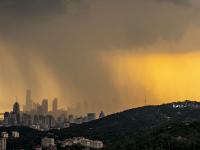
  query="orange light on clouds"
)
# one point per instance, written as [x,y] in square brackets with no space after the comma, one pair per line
[161,77]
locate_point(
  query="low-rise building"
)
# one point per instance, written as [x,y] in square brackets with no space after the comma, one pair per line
[96,144]
[47,142]
[4,135]
[67,142]
[91,116]
[15,134]
[84,142]
[91,143]
[38,147]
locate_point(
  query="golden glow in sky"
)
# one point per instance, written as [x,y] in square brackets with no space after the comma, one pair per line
[161,77]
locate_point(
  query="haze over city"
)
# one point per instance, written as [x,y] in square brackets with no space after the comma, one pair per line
[96,55]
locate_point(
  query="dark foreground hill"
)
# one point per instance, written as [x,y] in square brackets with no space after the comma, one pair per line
[135,121]
[166,126]
[180,136]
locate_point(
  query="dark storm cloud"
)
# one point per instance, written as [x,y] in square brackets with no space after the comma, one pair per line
[127,23]
[68,35]
[179,2]
[27,6]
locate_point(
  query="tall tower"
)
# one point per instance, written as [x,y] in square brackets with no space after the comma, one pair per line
[45,106]
[16,112]
[16,108]
[28,100]
[55,105]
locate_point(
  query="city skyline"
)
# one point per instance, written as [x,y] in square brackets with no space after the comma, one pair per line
[29,103]
[39,117]
[99,74]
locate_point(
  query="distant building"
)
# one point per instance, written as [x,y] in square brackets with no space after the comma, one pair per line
[2,143]
[50,121]
[85,119]
[15,134]
[6,118]
[55,105]
[34,106]
[26,120]
[84,142]
[91,116]
[67,142]
[4,135]
[71,118]
[101,115]
[45,106]
[12,119]
[16,108]
[38,147]
[39,109]
[16,112]
[47,142]
[29,103]
[91,143]
[78,120]
[186,104]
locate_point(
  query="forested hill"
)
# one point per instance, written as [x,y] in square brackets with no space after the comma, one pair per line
[135,120]
[137,128]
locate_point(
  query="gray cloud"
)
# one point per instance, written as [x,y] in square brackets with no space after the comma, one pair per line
[179,2]
[112,23]
[69,34]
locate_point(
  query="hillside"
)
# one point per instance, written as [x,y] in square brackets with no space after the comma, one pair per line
[179,136]
[134,121]
[136,128]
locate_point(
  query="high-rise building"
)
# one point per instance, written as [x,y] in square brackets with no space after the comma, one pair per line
[16,108]
[6,118]
[28,101]
[55,105]
[13,119]
[45,106]
[2,143]
[34,106]
[39,109]
[16,112]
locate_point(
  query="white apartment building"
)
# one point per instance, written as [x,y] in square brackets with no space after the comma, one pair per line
[47,142]
[15,134]
[91,143]
[4,135]
[2,143]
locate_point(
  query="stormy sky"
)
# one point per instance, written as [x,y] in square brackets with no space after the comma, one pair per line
[99,54]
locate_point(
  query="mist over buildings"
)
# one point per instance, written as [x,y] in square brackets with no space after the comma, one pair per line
[57,47]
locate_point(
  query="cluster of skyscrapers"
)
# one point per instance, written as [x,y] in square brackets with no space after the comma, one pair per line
[38,116]
[42,109]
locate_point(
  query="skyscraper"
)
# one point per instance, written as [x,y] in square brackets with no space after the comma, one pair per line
[6,118]
[45,106]
[16,108]
[55,105]
[16,112]
[28,101]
